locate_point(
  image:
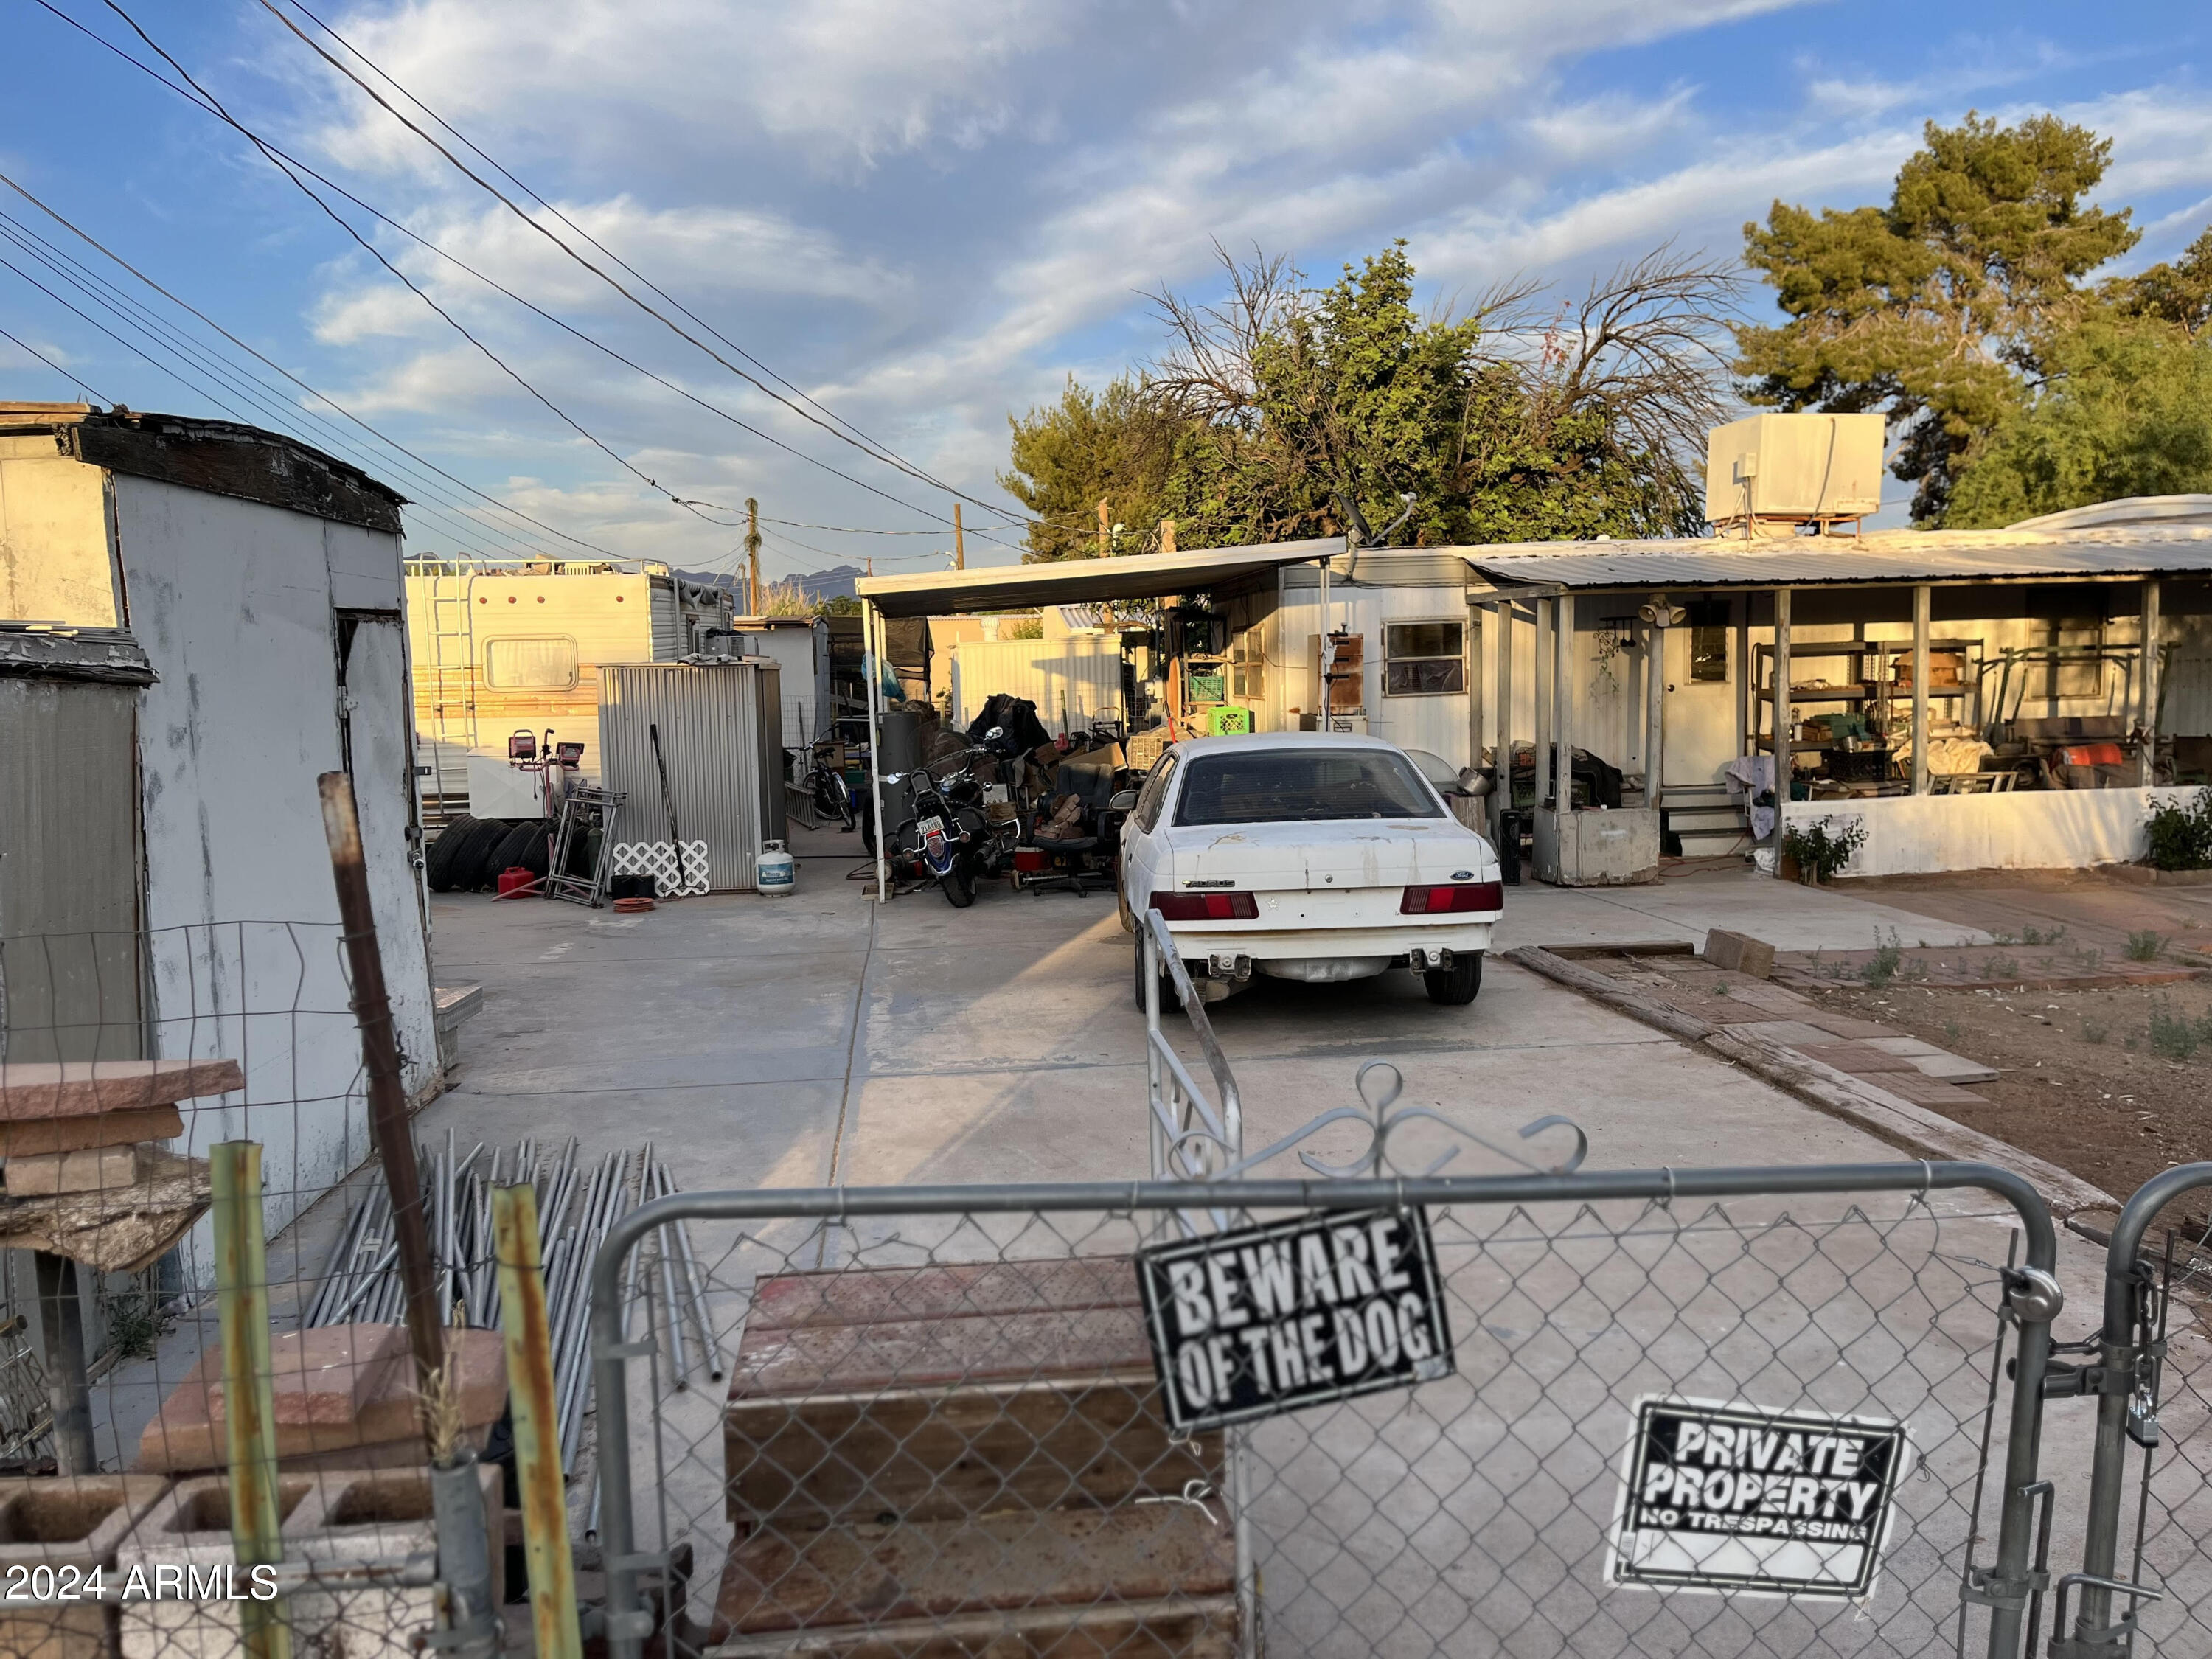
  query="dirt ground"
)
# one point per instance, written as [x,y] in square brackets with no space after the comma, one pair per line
[2114,1084]
[2112,1081]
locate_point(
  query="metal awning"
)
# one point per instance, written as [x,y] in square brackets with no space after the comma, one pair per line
[1080,581]
[1887,558]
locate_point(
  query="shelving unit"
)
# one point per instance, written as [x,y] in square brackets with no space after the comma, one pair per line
[1877,688]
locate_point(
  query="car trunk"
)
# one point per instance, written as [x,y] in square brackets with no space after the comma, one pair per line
[1340,873]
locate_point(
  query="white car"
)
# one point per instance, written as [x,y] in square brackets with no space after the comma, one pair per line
[1310,857]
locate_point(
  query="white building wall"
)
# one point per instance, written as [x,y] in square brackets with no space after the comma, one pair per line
[1070,680]
[1438,724]
[2020,830]
[233,602]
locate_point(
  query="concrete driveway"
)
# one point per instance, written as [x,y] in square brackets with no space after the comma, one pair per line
[823,1039]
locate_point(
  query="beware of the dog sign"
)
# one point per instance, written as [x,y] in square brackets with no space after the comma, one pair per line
[1261,1320]
[1731,1498]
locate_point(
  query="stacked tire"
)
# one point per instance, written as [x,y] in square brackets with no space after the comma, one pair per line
[470,853]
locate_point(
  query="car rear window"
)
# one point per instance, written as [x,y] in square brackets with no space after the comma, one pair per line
[1289,786]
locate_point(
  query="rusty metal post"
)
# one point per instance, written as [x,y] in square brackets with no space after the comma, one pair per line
[387,1097]
[537,1422]
[241,1277]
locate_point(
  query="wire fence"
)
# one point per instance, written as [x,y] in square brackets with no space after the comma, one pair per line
[945,1424]
[1802,1412]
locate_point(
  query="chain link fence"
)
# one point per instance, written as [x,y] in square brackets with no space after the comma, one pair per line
[944,1429]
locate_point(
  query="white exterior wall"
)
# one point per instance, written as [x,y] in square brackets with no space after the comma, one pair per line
[233,602]
[1438,724]
[1081,675]
[2032,830]
[802,659]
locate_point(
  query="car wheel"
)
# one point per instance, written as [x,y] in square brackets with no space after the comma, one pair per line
[1455,986]
[1167,983]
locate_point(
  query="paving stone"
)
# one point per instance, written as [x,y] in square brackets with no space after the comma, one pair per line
[1794,1032]
[1935,1062]
[1847,1026]
[1953,1068]
[1855,1058]
[1773,999]
[1924,1091]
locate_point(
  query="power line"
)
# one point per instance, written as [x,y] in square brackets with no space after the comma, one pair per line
[291,166]
[91,288]
[385,75]
[77,381]
[123,312]
[90,241]
[883,456]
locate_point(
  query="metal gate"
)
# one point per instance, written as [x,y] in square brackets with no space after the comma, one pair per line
[942,1429]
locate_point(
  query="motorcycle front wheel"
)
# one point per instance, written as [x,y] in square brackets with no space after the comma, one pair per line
[959,885]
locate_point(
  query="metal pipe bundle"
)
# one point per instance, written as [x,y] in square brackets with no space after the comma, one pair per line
[577,1206]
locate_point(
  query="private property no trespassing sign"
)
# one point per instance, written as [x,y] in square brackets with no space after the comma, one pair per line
[1261,1320]
[1731,1498]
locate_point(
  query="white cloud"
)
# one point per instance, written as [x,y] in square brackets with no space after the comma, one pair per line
[928,212]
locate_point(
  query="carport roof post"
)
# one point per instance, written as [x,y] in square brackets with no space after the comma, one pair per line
[1080,581]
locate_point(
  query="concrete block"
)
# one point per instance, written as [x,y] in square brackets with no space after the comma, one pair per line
[76,1088]
[63,1522]
[1597,848]
[341,1391]
[87,1169]
[333,1520]
[40,1136]
[1739,953]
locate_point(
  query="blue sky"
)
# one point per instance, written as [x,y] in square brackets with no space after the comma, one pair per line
[926,213]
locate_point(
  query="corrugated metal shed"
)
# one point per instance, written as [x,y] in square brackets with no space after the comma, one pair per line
[719,729]
[1937,556]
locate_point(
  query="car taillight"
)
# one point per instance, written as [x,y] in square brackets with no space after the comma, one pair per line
[1205,907]
[1438,901]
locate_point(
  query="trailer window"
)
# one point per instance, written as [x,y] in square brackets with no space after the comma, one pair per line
[1423,659]
[520,664]
[1293,786]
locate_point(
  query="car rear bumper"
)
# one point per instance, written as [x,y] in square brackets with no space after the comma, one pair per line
[1459,935]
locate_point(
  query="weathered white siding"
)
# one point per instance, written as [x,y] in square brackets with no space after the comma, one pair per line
[233,603]
[1070,680]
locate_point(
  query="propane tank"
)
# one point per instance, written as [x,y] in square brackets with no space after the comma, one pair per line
[774,871]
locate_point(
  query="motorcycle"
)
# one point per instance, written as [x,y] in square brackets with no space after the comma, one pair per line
[949,838]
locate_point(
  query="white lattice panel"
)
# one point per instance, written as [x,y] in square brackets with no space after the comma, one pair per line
[657,859]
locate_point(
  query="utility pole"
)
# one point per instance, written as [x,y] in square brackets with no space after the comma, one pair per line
[1105,536]
[959,541]
[752,557]
[871,567]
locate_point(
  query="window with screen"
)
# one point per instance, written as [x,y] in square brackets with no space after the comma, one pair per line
[1709,641]
[1423,659]
[526,664]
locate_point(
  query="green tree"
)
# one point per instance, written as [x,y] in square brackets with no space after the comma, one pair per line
[1938,309]
[2126,410]
[2179,293]
[1117,446]
[1308,411]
